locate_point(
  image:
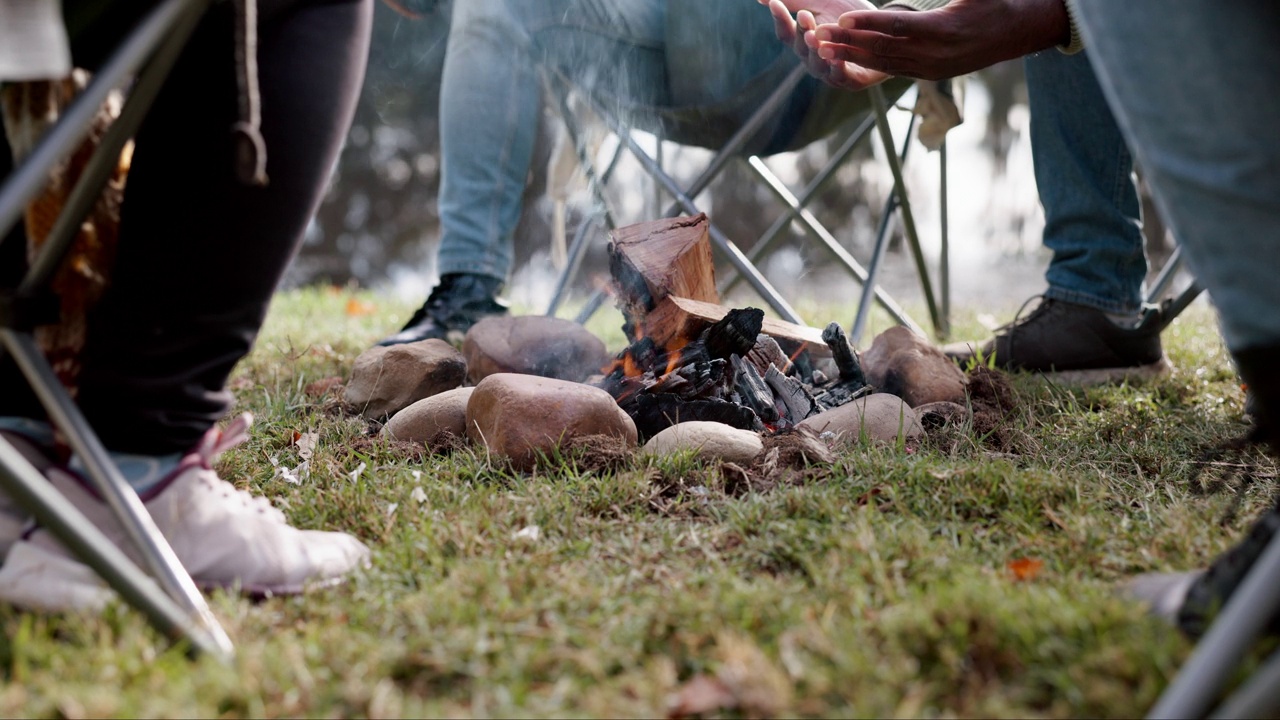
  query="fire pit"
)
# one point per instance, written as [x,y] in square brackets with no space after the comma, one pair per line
[734,374]
[692,359]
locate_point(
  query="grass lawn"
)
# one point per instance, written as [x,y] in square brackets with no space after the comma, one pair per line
[957,579]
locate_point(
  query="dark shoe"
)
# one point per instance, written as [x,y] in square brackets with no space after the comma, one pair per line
[1259,372]
[1079,344]
[457,303]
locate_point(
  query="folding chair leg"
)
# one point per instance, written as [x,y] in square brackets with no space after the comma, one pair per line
[802,200]
[162,24]
[753,277]
[119,496]
[683,198]
[877,255]
[816,228]
[881,106]
[1238,626]
[577,250]
[944,249]
[32,492]
[1258,697]
[149,53]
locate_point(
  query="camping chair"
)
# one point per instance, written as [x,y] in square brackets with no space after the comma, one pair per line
[171,601]
[744,264]
[1173,305]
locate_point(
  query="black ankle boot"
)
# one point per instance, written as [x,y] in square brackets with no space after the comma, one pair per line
[1260,370]
[457,303]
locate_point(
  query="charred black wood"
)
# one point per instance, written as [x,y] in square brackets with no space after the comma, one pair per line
[655,412]
[767,352]
[734,334]
[753,391]
[796,400]
[846,359]
[709,379]
[694,352]
[839,394]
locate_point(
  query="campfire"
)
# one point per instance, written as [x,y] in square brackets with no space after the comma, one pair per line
[690,358]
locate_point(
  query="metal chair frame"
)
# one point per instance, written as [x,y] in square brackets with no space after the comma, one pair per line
[168,596]
[744,264]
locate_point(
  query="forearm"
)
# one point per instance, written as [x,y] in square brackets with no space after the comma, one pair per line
[1041,23]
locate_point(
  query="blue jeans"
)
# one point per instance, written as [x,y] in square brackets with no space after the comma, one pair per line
[1195,87]
[693,78]
[1084,174]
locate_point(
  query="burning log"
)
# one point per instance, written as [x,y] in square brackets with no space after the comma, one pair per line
[650,261]
[698,360]
[676,320]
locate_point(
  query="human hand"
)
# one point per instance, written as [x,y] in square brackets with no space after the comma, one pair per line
[798,32]
[963,36]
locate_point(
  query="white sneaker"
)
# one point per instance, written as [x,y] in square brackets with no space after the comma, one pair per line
[224,537]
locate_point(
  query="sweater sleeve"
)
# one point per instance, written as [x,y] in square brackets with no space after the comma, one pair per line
[916,4]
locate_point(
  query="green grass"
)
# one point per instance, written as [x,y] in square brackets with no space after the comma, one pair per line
[880,586]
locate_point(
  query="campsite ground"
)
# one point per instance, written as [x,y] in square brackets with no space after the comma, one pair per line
[959,578]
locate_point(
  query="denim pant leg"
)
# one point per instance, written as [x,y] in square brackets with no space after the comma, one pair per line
[1084,173]
[646,66]
[490,103]
[1195,87]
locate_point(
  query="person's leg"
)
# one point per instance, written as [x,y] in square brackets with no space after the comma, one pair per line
[200,252]
[1087,323]
[1195,90]
[1084,174]
[490,102]
[199,259]
[645,66]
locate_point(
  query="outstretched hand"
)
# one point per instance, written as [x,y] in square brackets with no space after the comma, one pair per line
[961,37]
[798,32]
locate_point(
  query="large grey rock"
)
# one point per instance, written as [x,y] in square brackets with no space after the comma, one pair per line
[710,440]
[425,419]
[385,380]
[879,416]
[532,345]
[519,416]
[902,363]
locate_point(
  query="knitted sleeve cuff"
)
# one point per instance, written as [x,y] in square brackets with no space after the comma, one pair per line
[1076,44]
[916,4]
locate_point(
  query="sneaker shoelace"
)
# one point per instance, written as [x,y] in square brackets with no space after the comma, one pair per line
[1018,320]
[1008,330]
[215,442]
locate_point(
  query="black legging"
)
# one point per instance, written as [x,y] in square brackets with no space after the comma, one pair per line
[201,253]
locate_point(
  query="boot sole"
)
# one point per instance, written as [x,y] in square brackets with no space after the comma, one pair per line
[962,353]
[1109,376]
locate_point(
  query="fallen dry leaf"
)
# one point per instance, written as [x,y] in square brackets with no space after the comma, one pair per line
[306,443]
[1025,568]
[357,307]
[701,695]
